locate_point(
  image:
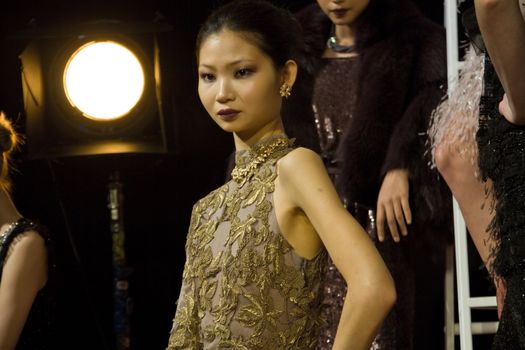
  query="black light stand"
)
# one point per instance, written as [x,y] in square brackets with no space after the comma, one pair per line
[121,272]
[56,128]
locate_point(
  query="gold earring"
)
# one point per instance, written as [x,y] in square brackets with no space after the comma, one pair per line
[285,90]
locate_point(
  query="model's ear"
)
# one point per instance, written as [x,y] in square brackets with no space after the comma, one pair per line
[289,73]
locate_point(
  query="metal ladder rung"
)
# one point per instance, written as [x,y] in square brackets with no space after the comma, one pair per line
[482,302]
[489,327]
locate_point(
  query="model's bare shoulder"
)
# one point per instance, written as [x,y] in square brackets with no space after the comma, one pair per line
[29,243]
[300,162]
[304,177]
[27,256]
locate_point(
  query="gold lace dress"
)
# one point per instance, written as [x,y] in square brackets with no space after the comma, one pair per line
[244,287]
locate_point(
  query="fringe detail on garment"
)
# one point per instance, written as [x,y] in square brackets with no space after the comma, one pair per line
[454,122]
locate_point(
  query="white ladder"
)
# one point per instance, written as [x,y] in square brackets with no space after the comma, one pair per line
[466,328]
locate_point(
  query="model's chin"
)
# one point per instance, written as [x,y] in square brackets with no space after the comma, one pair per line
[346,21]
[228,129]
[226,126]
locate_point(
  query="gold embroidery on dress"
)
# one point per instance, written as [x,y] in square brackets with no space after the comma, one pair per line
[243,285]
[245,166]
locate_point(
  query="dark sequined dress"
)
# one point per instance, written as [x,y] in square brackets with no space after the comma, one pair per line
[334,100]
[333,103]
[502,159]
[37,332]
[332,111]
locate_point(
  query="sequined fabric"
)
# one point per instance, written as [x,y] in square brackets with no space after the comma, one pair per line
[502,159]
[37,331]
[397,329]
[333,104]
[243,285]
[511,333]
[332,112]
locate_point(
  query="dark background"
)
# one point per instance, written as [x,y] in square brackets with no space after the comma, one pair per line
[69,195]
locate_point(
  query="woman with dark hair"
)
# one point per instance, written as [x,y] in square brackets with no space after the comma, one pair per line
[378,70]
[24,266]
[256,247]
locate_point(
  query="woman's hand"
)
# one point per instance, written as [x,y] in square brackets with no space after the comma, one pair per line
[392,205]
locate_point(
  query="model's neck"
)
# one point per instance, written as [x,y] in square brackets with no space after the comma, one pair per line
[244,141]
[345,34]
[8,211]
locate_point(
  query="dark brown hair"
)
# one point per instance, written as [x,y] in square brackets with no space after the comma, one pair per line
[272,29]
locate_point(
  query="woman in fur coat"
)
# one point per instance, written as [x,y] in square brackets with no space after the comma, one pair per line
[375,71]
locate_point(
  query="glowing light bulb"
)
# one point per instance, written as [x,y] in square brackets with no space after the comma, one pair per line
[104,80]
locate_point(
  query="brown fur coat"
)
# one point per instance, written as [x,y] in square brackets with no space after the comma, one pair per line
[401,78]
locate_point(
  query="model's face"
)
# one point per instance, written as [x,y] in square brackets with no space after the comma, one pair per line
[343,12]
[238,83]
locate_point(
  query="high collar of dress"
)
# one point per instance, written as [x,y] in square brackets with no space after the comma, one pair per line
[246,161]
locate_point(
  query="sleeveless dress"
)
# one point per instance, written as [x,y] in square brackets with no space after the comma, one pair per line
[37,331]
[244,287]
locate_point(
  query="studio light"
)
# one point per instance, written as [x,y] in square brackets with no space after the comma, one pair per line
[104,80]
[96,88]
[99,89]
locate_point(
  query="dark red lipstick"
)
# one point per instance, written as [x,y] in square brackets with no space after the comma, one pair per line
[340,13]
[228,114]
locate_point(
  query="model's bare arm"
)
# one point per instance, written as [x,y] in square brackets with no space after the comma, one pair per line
[503,30]
[371,291]
[24,274]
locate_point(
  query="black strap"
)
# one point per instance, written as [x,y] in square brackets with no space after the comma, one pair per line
[17,228]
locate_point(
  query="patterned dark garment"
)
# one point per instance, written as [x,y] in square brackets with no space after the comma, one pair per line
[502,159]
[333,107]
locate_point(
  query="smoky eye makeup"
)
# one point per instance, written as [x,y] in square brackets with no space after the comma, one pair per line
[244,72]
[207,77]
